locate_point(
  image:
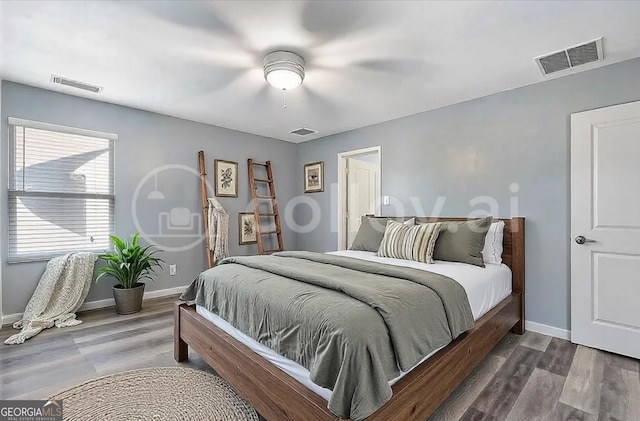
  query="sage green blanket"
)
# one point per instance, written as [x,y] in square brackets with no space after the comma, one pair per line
[353,324]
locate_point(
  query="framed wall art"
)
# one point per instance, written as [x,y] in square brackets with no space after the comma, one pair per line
[226,178]
[314,177]
[247,228]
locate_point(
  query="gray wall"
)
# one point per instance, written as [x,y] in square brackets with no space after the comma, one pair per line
[2,242]
[146,141]
[479,148]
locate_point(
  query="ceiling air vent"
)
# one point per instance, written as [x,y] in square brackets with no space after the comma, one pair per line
[303,131]
[75,84]
[569,58]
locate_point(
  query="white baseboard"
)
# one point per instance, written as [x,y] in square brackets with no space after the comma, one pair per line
[9,319]
[109,302]
[93,305]
[547,330]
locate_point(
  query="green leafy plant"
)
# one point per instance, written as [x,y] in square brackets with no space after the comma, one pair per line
[129,262]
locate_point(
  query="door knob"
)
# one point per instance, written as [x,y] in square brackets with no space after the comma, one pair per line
[580,239]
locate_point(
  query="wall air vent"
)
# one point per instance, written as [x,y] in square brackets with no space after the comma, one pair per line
[75,84]
[569,58]
[303,131]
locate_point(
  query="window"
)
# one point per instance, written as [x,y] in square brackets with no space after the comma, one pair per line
[61,194]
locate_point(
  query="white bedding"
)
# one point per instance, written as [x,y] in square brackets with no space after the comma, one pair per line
[485,288]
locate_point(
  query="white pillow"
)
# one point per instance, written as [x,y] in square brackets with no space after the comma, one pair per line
[492,251]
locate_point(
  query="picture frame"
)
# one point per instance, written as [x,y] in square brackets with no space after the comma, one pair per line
[314,177]
[226,178]
[247,233]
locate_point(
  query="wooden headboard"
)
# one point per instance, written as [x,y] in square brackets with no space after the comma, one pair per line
[512,255]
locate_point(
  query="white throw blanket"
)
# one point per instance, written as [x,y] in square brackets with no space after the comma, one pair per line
[59,294]
[218,231]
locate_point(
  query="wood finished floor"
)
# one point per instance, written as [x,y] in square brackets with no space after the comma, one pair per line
[530,377]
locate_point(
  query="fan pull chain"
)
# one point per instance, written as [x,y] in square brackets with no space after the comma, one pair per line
[284,98]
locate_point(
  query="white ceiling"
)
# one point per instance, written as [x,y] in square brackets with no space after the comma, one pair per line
[367,61]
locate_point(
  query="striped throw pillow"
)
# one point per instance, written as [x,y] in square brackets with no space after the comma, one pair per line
[409,242]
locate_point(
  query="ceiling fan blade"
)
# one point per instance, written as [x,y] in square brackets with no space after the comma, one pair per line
[265,95]
[328,20]
[229,56]
[396,66]
[195,14]
[316,99]
[196,85]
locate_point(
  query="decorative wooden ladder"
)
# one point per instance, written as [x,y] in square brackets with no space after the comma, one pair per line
[205,207]
[272,213]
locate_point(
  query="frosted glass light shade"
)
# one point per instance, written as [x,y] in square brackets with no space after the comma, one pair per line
[284,79]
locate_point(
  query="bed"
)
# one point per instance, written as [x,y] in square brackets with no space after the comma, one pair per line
[281,389]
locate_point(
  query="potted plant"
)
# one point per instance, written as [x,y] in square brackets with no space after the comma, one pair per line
[129,263]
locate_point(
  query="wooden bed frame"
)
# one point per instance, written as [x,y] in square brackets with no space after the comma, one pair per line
[278,396]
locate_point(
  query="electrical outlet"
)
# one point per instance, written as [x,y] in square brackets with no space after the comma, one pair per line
[172,270]
[385,200]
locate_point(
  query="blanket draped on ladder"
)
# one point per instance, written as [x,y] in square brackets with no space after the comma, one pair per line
[218,231]
[59,294]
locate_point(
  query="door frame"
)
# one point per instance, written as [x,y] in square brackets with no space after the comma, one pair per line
[342,185]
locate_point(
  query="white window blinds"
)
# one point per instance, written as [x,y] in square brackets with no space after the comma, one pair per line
[61,194]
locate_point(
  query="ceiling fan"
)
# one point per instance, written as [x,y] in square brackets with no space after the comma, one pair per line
[335,33]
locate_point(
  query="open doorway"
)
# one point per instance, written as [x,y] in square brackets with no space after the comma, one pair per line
[359,187]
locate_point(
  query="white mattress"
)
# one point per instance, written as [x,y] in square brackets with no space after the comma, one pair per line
[485,288]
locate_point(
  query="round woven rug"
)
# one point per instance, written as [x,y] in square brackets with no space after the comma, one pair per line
[161,393]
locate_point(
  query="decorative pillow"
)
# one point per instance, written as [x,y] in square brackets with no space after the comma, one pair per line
[371,231]
[492,251]
[462,241]
[409,242]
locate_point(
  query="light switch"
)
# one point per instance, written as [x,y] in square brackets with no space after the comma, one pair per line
[385,200]
[172,270]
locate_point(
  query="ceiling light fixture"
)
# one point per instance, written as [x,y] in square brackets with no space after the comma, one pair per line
[283,69]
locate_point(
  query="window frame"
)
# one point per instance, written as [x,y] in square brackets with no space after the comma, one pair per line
[13,193]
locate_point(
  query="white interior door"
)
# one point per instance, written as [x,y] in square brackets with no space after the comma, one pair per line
[362,194]
[605,229]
